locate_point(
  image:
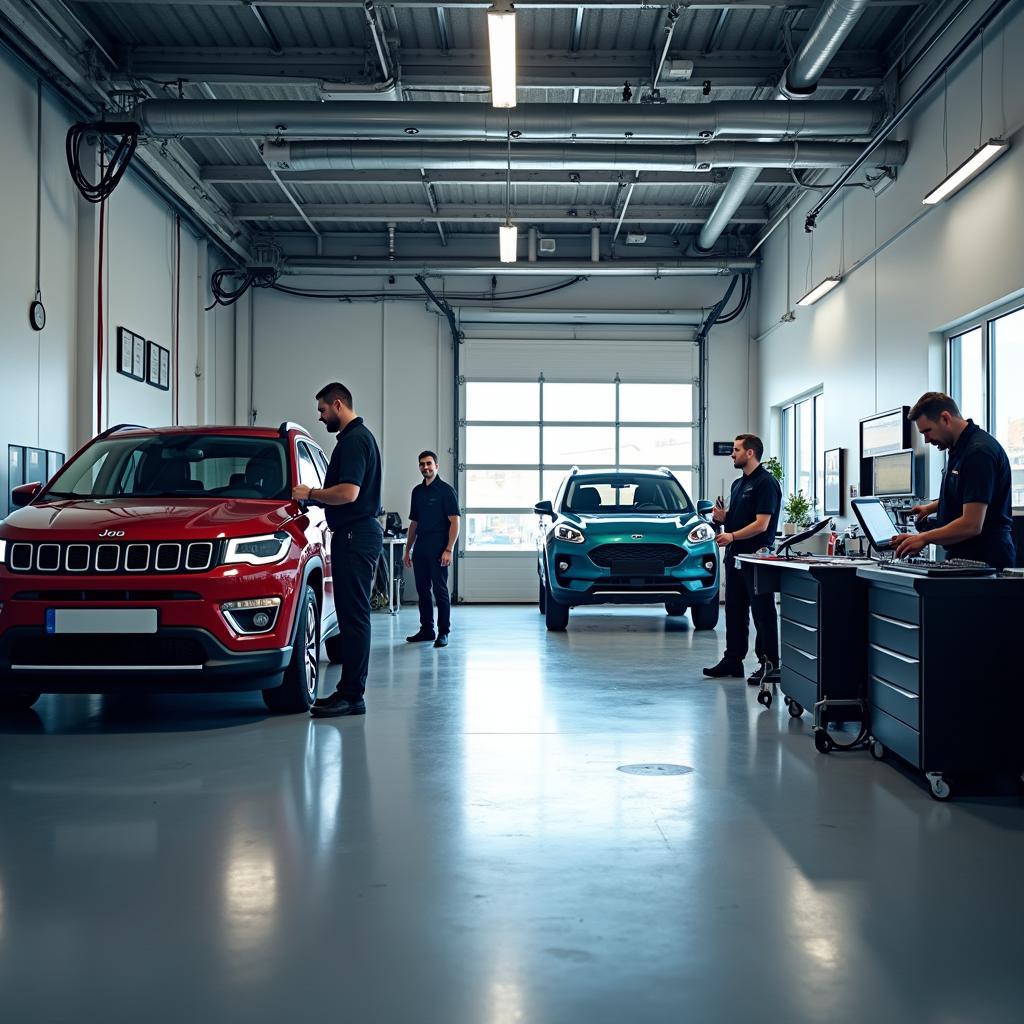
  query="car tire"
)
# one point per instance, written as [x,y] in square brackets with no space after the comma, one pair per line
[542,595]
[556,614]
[17,701]
[705,615]
[676,606]
[298,690]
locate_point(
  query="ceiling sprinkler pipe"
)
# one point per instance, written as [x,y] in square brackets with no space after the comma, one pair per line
[595,245]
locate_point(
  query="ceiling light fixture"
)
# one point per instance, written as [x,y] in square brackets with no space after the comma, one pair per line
[819,291]
[508,242]
[501,31]
[974,164]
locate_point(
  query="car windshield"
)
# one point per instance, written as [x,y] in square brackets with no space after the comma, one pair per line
[625,493]
[176,466]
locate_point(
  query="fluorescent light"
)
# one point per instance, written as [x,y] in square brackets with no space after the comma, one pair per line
[501,30]
[819,291]
[508,242]
[974,164]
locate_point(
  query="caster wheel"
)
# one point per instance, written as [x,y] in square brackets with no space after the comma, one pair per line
[876,750]
[765,698]
[787,701]
[940,788]
[823,742]
[796,710]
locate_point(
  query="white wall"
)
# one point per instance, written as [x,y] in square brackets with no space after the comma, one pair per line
[876,341]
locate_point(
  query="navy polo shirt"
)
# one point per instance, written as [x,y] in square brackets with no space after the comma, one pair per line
[430,508]
[752,496]
[355,460]
[977,470]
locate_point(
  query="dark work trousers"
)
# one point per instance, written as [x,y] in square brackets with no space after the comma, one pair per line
[740,601]
[432,577]
[355,551]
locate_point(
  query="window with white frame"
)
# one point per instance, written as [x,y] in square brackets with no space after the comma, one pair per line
[522,438]
[986,365]
[803,448]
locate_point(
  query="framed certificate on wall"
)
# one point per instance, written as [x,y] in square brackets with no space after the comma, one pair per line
[165,369]
[153,363]
[126,352]
[139,358]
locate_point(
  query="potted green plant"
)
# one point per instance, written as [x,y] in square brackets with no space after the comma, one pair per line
[797,512]
[774,467]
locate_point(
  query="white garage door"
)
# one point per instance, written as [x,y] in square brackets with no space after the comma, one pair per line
[532,408]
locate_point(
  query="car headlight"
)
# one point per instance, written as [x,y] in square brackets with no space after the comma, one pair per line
[569,533]
[263,550]
[700,533]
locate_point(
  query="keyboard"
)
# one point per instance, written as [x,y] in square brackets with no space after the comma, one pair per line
[950,567]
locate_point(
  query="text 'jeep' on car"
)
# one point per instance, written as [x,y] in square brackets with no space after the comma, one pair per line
[629,536]
[169,560]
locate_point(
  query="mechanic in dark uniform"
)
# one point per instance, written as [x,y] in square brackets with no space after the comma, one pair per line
[750,524]
[351,499]
[974,508]
[433,531]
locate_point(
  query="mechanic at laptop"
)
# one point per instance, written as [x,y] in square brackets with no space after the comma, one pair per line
[974,511]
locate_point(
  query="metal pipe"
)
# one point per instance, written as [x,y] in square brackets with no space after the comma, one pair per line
[580,122]
[831,28]
[531,245]
[414,155]
[356,267]
[625,205]
[595,245]
[378,42]
[670,28]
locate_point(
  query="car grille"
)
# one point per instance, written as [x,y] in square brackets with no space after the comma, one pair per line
[84,649]
[104,559]
[620,557]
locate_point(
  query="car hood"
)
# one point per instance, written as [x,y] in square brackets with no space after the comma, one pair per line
[671,528]
[147,519]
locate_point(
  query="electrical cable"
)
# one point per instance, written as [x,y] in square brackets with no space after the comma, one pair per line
[110,176]
[177,311]
[457,296]
[99,304]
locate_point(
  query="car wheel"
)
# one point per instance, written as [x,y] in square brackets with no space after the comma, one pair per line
[705,616]
[17,701]
[298,691]
[542,595]
[556,614]
[676,606]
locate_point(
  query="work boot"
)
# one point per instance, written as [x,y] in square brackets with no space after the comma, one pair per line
[420,637]
[335,706]
[442,640]
[726,667]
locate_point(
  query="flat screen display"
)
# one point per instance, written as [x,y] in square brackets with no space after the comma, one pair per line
[875,522]
[893,475]
[881,434]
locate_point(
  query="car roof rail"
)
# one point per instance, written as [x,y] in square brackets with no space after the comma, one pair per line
[120,426]
[665,470]
[289,425]
[574,470]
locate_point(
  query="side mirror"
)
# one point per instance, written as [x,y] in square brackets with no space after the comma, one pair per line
[22,495]
[544,508]
[705,508]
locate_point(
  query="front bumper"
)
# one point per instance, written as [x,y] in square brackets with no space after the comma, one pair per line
[583,582]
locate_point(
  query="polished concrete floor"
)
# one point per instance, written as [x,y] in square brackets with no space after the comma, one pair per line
[469,852]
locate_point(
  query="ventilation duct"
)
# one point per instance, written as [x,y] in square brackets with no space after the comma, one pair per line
[373,156]
[351,266]
[529,122]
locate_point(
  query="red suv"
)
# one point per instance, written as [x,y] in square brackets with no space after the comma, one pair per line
[172,560]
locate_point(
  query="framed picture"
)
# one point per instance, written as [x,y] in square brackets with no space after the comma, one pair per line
[153,363]
[54,460]
[35,466]
[126,352]
[835,481]
[165,369]
[139,357]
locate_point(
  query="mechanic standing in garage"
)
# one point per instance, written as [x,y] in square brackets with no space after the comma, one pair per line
[750,524]
[351,499]
[433,531]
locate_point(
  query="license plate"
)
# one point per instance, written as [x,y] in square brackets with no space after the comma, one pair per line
[638,568]
[101,620]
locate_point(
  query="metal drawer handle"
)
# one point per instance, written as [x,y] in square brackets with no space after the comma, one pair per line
[893,686]
[803,654]
[802,600]
[895,622]
[893,654]
[799,625]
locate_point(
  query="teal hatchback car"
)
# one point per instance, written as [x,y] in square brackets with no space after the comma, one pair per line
[629,536]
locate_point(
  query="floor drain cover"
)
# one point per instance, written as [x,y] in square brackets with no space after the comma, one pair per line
[655,769]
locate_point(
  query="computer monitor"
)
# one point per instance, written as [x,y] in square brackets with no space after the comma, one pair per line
[893,475]
[875,522]
[799,538]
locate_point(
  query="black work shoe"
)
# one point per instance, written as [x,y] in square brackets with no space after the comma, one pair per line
[421,637]
[442,640]
[335,706]
[757,676]
[726,667]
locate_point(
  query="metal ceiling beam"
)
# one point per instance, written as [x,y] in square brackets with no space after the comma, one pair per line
[230,174]
[597,5]
[457,69]
[413,213]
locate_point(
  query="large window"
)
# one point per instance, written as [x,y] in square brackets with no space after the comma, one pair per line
[986,366]
[803,448]
[522,438]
